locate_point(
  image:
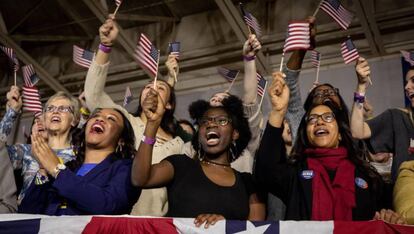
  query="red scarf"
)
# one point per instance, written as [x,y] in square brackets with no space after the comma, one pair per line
[332,200]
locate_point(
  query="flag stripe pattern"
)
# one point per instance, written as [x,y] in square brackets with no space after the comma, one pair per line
[127,96]
[341,15]
[251,21]
[31,99]
[29,75]
[349,51]
[118,2]
[174,49]
[315,58]
[228,74]
[82,57]
[261,84]
[12,56]
[408,57]
[147,55]
[298,36]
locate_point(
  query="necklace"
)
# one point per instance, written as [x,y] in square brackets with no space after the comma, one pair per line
[215,163]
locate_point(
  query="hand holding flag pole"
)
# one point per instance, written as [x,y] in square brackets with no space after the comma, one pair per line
[156,74]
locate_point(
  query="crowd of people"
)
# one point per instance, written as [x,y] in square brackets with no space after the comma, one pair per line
[311,161]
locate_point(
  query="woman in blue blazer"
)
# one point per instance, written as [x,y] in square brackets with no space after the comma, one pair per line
[98,181]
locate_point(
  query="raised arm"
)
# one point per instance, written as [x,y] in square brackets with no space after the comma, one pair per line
[173,69]
[359,128]
[144,174]
[250,48]
[14,104]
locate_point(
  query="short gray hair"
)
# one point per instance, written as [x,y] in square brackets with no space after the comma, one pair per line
[74,102]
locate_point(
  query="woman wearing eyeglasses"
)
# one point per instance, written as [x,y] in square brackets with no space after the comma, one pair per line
[326,178]
[60,116]
[205,187]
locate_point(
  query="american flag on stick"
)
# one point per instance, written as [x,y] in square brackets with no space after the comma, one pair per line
[298,36]
[174,49]
[315,58]
[408,57]
[229,75]
[118,2]
[29,75]
[251,21]
[147,55]
[341,15]
[12,56]
[349,51]
[127,97]
[261,84]
[82,57]
[31,99]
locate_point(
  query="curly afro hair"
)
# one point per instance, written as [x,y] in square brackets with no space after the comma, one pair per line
[233,106]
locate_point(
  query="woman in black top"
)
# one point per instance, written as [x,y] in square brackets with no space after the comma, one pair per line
[205,187]
[327,178]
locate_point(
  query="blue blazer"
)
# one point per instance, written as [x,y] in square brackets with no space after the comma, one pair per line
[106,189]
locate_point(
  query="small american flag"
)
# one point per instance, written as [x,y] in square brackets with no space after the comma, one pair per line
[341,15]
[82,57]
[174,49]
[228,74]
[127,97]
[147,55]
[298,36]
[261,84]
[349,51]
[315,58]
[251,21]
[29,75]
[31,99]
[118,2]
[408,57]
[12,56]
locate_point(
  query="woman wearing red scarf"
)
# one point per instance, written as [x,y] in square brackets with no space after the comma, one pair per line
[326,177]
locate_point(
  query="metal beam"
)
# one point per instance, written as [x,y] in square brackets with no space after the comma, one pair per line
[144,18]
[369,12]
[3,27]
[232,15]
[69,11]
[123,39]
[366,27]
[27,59]
[43,38]
[26,16]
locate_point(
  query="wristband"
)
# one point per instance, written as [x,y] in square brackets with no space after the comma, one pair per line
[148,140]
[104,48]
[249,58]
[359,98]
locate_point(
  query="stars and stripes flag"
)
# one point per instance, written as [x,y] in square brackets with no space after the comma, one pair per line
[251,21]
[82,57]
[12,56]
[298,36]
[31,99]
[118,2]
[147,55]
[261,84]
[229,75]
[349,51]
[127,97]
[315,58]
[341,15]
[408,57]
[29,75]
[174,49]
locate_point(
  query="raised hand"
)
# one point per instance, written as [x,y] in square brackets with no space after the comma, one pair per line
[363,71]
[108,32]
[153,106]
[14,99]
[209,219]
[251,46]
[172,67]
[311,20]
[44,154]
[279,93]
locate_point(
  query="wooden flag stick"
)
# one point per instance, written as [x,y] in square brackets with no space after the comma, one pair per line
[317,69]
[231,84]
[156,74]
[369,80]
[116,10]
[15,77]
[317,9]
[281,61]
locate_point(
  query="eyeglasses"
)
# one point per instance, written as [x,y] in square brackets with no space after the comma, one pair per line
[60,109]
[326,92]
[327,117]
[219,120]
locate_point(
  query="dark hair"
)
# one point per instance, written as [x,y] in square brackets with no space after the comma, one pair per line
[309,102]
[78,142]
[233,106]
[356,154]
[188,123]
[167,123]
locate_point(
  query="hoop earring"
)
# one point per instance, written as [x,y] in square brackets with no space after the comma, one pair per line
[119,148]
[199,154]
[233,151]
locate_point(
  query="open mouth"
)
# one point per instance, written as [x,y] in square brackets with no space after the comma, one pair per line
[411,95]
[321,132]
[97,128]
[56,119]
[213,138]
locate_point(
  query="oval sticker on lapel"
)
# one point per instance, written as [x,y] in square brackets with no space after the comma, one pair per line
[361,183]
[307,174]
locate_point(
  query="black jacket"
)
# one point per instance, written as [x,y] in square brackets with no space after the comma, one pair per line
[286,181]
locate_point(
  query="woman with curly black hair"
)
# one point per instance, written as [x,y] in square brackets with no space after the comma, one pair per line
[205,187]
[98,181]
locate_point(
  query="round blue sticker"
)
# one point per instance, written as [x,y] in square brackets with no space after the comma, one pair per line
[307,174]
[361,183]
